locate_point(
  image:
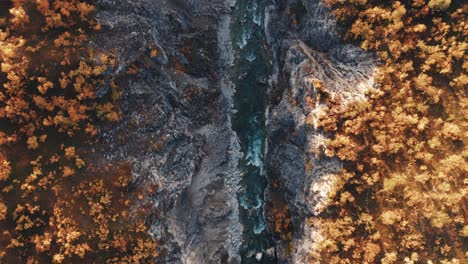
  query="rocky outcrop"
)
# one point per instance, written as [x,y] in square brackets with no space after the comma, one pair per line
[309,61]
[176,128]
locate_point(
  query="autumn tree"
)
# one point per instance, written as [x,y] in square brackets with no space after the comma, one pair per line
[54,209]
[403,194]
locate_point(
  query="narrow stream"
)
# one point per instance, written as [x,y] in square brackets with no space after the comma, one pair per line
[251,73]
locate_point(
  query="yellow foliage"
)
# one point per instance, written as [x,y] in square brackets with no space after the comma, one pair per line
[67,171]
[48,80]
[391,217]
[32,142]
[3,211]
[406,143]
[5,168]
[439,4]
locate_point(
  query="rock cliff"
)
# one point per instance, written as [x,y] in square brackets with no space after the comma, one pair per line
[176,128]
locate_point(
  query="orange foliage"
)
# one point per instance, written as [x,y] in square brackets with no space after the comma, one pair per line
[405,147]
[52,210]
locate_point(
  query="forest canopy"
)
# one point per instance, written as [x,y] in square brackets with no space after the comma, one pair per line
[54,207]
[403,193]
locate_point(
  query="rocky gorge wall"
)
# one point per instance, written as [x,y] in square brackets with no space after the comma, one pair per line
[176,129]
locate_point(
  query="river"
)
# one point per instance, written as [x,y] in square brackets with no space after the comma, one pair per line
[250,77]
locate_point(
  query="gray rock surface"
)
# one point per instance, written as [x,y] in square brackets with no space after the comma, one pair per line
[176,127]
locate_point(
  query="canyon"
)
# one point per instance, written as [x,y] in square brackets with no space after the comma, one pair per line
[218,120]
